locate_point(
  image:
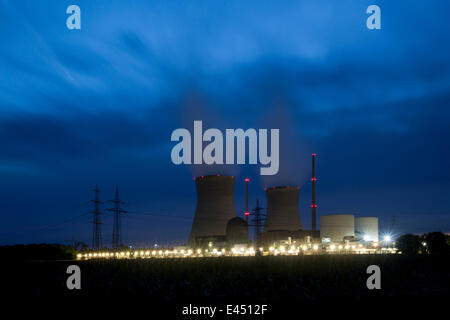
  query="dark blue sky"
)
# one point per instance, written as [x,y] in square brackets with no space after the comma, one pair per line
[98,105]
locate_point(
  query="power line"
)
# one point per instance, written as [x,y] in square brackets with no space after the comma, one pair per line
[158,215]
[258,220]
[117,226]
[96,221]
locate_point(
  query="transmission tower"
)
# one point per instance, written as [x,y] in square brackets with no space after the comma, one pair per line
[96,221]
[258,220]
[117,227]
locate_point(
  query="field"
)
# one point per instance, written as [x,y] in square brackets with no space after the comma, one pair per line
[276,281]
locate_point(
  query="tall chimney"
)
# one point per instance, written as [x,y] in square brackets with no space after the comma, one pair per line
[246,199]
[313,204]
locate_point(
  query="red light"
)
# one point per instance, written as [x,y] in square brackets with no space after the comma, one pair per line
[313,179]
[314,154]
[246,179]
[247,213]
[314,206]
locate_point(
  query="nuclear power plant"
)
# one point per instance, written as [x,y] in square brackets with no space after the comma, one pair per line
[218,230]
[216,221]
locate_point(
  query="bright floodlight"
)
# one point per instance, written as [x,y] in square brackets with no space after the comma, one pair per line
[387,238]
[366,238]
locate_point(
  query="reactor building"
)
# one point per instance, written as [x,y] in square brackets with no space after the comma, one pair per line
[366,228]
[237,231]
[337,227]
[340,227]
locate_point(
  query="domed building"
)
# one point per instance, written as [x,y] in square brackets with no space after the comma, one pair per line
[237,231]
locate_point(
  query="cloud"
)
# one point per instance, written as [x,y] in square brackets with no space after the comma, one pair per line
[99,105]
[80,135]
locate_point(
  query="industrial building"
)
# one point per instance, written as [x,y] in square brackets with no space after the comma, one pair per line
[340,227]
[366,228]
[337,227]
[269,237]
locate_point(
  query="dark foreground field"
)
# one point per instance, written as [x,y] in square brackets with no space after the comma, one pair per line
[276,281]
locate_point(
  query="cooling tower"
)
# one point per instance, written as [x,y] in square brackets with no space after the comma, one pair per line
[215,207]
[283,212]
[337,226]
[366,228]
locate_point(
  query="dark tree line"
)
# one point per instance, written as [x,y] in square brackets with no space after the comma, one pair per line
[430,243]
[37,252]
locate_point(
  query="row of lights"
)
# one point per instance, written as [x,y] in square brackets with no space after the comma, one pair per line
[217,252]
[292,249]
[346,247]
[189,252]
[213,251]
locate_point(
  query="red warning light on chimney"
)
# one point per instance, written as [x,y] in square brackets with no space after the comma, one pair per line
[246,179]
[247,213]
